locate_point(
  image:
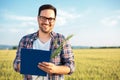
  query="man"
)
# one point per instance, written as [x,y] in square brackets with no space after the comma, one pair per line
[44,39]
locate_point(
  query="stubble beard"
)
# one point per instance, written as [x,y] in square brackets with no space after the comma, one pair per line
[46,32]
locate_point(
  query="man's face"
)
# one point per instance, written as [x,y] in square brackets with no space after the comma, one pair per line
[46,20]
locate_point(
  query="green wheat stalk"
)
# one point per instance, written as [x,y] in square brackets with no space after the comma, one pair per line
[57,51]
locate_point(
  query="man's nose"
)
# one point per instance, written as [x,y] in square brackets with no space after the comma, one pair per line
[46,21]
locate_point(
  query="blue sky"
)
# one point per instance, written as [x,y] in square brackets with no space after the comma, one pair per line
[93,22]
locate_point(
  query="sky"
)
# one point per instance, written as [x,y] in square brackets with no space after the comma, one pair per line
[92,22]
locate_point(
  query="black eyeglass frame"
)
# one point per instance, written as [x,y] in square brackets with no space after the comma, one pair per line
[50,19]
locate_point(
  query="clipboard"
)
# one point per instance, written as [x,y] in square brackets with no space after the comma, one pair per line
[30,59]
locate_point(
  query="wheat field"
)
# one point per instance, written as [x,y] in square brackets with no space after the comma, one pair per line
[91,64]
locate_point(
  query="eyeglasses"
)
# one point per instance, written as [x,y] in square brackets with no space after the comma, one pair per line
[43,18]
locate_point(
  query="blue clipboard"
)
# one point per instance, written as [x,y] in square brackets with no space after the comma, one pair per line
[30,59]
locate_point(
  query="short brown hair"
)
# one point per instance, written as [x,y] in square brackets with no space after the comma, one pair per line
[47,6]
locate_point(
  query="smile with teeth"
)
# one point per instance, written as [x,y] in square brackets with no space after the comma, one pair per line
[45,26]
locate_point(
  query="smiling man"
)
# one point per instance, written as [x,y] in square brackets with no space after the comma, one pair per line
[44,39]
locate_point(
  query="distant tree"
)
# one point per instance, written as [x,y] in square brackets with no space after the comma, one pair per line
[91,47]
[14,47]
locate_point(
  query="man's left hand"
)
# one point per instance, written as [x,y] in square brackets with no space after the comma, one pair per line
[48,67]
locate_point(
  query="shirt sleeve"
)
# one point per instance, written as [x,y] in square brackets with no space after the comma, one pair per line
[68,57]
[17,59]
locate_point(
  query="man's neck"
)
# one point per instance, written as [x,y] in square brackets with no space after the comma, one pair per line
[44,37]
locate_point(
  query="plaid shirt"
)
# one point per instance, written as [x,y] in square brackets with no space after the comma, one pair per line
[65,57]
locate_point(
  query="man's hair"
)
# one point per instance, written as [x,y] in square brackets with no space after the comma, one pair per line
[47,6]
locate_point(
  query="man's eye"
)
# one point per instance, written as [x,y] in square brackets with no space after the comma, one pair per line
[50,19]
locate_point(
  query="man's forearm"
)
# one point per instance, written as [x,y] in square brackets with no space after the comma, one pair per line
[62,70]
[16,65]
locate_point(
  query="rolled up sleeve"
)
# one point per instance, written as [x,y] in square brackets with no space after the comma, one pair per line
[17,62]
[68,57]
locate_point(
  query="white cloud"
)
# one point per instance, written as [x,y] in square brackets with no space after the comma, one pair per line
[18,25]
[111,21]
[20,18]
[69,15]
[64,17]
[28,23]
[21,21]
[13,30]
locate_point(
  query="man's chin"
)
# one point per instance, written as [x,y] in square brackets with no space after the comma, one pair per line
[46,31]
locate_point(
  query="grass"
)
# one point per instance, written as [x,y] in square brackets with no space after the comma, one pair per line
[6,66]
[91,64]
[96,64]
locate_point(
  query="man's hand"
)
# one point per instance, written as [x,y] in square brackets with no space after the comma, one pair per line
[18,67]
[52,68]
[48,67]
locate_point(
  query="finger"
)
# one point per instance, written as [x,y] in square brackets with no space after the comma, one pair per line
[46,63]
[44,66]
